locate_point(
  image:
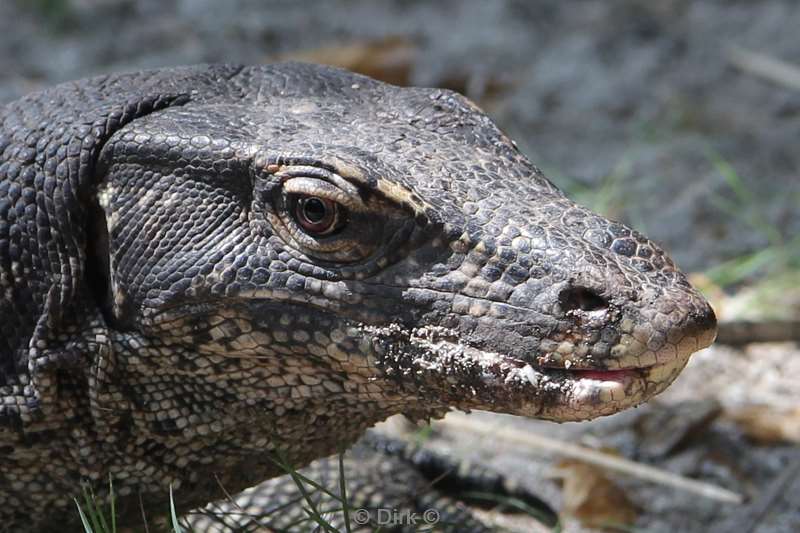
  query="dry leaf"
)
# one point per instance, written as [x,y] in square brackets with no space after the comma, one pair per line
[392,58]
[389,59]
[768,424]
[592,498]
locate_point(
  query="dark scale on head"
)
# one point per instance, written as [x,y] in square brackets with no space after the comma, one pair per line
[201,266]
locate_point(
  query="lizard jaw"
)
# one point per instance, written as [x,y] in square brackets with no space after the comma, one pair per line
[502,383]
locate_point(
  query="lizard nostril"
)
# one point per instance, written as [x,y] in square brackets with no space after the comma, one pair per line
[581,298]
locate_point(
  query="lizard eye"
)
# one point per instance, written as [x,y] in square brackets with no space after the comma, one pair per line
[317,216]
[323,216]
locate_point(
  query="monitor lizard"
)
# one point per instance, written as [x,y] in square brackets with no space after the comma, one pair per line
[203,267]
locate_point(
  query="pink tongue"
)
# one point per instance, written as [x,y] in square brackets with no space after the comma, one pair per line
[604,375]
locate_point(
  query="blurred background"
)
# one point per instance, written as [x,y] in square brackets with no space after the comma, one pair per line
[680,118]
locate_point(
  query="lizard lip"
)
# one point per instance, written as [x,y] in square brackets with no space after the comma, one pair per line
[606,375]
[581,394]
[597,377]
[586,371]
[559,393]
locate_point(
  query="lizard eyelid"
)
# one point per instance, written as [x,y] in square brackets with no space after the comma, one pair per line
[315,187]
[357,223]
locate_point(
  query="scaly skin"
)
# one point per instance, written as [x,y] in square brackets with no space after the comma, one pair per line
[169,316]
[385,487]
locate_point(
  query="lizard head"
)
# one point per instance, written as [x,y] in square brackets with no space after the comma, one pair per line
[343,242]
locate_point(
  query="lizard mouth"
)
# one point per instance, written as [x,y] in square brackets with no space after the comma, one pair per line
[565,393]
[606,375]
[582,394]
[568,391]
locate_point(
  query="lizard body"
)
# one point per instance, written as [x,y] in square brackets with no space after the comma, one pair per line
[200,266]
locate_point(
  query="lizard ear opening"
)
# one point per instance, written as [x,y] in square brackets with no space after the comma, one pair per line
[98,263]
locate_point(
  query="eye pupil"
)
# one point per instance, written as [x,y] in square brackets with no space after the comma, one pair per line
[317,216]
[314,210]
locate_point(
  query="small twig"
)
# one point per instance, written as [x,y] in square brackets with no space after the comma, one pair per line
[763,66]
[738,332]
[589,455]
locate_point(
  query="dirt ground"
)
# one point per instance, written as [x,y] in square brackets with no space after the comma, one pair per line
[636,96]
[697,429]
[665,115]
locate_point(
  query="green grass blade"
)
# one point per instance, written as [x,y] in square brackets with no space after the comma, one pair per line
[318,519]
[298,481]
[101,516]
[745,198]
[343,493]
[176,527]
[289,470]
[93,510]
[112,499]
[86,527]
